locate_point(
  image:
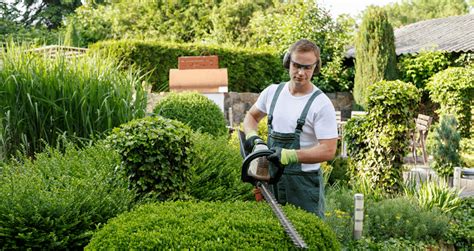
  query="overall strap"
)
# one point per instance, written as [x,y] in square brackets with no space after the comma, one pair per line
[300,122]
[272,107]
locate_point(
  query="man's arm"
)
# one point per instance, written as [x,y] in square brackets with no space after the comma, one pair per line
[323,152]
[253,116]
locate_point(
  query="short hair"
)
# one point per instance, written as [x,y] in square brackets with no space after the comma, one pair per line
[305,45]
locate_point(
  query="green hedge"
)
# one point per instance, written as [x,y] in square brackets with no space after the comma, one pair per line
[378,142]
[453,89]
[210,226]
[249,70]
[56,201]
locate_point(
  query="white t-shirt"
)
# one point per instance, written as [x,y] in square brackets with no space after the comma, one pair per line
[320,121]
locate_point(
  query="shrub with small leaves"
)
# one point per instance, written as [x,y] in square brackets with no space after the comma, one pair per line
[56,201]
[156,155]
[216,170]
[461,226]
[210,226]
[195,110]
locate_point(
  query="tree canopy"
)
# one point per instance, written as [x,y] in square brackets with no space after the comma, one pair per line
[412,11]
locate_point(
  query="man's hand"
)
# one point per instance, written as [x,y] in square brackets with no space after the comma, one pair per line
[282,155]
[250,140]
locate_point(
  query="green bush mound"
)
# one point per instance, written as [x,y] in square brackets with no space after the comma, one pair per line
[195,110]
[216,170]
[56,201]
[156,155]
[210,225]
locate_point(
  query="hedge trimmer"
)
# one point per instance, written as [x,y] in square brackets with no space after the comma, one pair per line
[255,170]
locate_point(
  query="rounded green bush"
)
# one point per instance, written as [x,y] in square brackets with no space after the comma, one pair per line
[194,109]
[210,225]
[156,155]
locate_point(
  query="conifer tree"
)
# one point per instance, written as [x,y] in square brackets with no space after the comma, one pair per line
[71,38]
[375,53]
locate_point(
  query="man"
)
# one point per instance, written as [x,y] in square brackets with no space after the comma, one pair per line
[302,129]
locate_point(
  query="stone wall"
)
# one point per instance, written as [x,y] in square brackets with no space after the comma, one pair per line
[241,103]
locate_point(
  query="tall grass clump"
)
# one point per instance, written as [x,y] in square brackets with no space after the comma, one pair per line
[41,98]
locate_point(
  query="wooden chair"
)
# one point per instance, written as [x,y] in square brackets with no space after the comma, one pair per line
[419,136]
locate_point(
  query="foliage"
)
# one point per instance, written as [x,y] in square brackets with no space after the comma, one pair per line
[194,109]
[216,170]
[242,23]
[418,69]
[467,151]
[453,89]
[340,170]
[378,141]
[156,155]
[445,149]
[160,57]
[72,38]
[42,98]
[339,211]
[375,53]
[231,18]
[368,243]
[206,225]
[461,225]
[412,11]
[401,218]
[431,194]
[57,201]
[44,12]
[285,23]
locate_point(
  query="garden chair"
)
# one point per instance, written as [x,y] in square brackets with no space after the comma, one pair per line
[419,136]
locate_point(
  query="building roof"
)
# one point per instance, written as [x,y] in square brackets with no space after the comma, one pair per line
[452,34]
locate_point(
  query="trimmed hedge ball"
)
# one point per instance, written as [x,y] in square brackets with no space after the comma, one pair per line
[195,110]
[210,225]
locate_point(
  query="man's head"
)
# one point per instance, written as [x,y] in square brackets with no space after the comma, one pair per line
[303,60]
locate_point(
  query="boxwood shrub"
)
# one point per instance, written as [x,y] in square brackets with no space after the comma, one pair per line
[156,155]
[210,226]
[216,170]
[56,201]
[193,109]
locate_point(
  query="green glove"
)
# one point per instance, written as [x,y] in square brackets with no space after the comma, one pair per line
[249,143]
[284,156]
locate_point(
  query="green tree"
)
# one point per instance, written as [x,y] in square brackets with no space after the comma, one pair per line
[375,53]
[412,11]
[49,13]
[445,149]
[282,25]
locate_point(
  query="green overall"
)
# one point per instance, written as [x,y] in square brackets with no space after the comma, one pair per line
[302,189]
